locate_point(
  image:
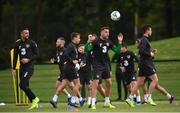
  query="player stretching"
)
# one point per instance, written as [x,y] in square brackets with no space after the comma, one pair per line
[101,69]
[28,52]
[147,68]
[60,60]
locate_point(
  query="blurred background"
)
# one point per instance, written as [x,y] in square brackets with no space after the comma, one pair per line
[49,19]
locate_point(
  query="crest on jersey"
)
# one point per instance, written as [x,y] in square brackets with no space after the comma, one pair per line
[19,47]
[27,45]
[128,56]
[100,44]
[61,53]
[121,58]
[107,44]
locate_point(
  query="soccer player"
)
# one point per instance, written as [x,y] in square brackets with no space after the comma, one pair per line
[60,60]
[28,51]
[101,68]
[85,69]
[147,68]
[71,67]
[126,61]
[101,90]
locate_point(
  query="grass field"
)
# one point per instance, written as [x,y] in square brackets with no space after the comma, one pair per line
[43,82]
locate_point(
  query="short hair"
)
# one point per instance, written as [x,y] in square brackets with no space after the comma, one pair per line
[74,34]
[138,40]
[146,27]
[23,28]
[80,45]
[94,35]
[124,45]
[104,27]
[60,38]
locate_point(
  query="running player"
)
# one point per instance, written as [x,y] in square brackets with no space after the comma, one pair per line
[147,68]
[60,60]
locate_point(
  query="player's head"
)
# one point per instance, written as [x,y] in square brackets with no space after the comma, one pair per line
[137,42]
[124,47]
[81,48]
[147,30]
[75,37]
[24,33]
[91,37]
[60,42]
[104,33]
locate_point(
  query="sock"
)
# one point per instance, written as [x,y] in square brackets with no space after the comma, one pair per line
[68,95]
[131,97]
[138,98]
[93,101]
[55,97]
[80,99]
[145,97]
[89,100]
[73,99]
[149,96]
[168,95]
[107,100]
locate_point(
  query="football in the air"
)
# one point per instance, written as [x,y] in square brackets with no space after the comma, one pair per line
[115,15]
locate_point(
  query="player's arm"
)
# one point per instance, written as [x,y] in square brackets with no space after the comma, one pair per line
[117,48]
[88,47]
[142,48]
[35,52]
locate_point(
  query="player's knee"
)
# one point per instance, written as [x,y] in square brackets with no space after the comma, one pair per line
[22,86]
[109,83]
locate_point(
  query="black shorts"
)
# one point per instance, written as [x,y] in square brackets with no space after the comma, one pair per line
[85,78]
[146,70]
[101,72]
[69,72]
[60,77]
[129,77]
[25,75]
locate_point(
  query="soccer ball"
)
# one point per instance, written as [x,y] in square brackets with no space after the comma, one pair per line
[115,15]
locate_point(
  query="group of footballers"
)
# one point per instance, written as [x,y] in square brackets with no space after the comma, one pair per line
[89,64]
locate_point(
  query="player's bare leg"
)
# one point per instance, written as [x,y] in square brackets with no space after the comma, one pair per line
[94,92]
[59,89]
[58,83]
[107,103]
[101,90]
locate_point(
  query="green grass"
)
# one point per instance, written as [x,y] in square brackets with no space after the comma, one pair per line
[163,106]
[167,49]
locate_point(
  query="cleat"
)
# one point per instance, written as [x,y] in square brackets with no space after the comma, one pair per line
[93,107]
[138,103]
[34,103]
[109,105]
[54,104]
[171,100]
[130,102]
[150,101]
[82,102]
[73,104]
[88,103]
[144,102]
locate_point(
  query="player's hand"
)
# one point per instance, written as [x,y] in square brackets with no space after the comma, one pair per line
[52,60]
[82,64]
[75,61]
[154,51]
[123,69]
[120,38]
[25,60]
[77,67]
[152,54]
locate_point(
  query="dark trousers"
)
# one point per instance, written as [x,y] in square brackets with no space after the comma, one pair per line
[121,81]
[25,75]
